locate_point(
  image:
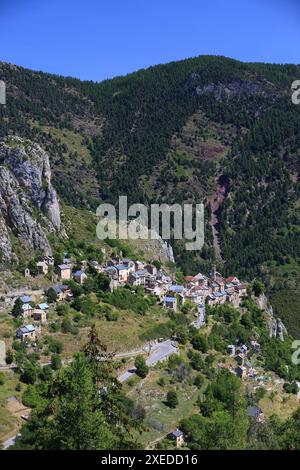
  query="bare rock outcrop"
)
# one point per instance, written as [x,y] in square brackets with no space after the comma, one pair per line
[29,206]
[275,325]
[30,166]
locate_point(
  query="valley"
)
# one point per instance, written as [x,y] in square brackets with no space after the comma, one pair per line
[182,343]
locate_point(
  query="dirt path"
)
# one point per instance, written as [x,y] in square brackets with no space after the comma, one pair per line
[20,412]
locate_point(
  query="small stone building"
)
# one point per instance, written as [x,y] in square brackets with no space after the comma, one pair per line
[177,436]
[64,271]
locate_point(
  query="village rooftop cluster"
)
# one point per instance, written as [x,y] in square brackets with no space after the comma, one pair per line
[199,290]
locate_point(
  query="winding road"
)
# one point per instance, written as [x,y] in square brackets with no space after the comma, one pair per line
[160,352]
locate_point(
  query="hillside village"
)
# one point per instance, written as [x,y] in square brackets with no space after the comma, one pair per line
[200,294]
[198,290]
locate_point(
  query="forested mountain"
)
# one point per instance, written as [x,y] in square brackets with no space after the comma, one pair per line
[207,128]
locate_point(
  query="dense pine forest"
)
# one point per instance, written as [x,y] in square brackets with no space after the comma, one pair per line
[178,133]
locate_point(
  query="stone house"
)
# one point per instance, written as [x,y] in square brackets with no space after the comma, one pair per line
[79,276]
[256,413]
[27,311]
[233,280]
[231,349]
[62,292]
[151,269]
[177,436]
[130,265]
[241,372]
[170,302]
[39,315]
[44,264]
[176,289]
[233,298]
[122,273]
[242,290]
[26,333]
[239,359]
[43,306]
[138,278]
[201,279]
[64,271]
[42,267]
[26,299]
[139,265]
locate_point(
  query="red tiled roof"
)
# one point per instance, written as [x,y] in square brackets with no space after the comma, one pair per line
[231,278]
[188,278]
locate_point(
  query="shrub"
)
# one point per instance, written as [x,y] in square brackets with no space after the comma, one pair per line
[29,373]
[111,316]
[9,357]
[172,399]
[62,309]
[55,346]
[46,373]
[200,343]
[199,380]
[161,382]
[291,387]
[56,362]
[141,367]
[31,397]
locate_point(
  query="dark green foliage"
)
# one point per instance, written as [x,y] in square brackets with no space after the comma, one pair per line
[286,306]
[56,362]
[111,316]
[51,296]
[9,356]
[68,327]
[62,309]
[99,282]
[200,343]
[196,360]
[2,378]
[141,367]
[257,287]
[135,119]
[172,399]
[17,308]
[54,345]
[137,302]
[29,373]
[291,387]
[223,423]
[47,373]
[81,408]
[76,288]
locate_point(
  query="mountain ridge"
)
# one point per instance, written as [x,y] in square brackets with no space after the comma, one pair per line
[175,133]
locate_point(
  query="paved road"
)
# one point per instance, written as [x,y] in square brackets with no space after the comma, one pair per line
[160,352]
[142,350]
[201,317]
[9,442]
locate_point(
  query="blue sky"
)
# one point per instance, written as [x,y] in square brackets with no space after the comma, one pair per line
[96,39]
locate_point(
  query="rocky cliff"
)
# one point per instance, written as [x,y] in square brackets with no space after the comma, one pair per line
[29,207]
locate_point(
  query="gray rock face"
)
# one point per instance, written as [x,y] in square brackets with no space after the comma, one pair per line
[6,252]
[26,193]
[30,165]
[166,251]
[275,325]
[229,90]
